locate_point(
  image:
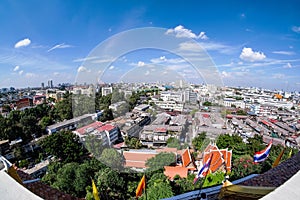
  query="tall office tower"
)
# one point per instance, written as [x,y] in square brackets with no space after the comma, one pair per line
[50,84]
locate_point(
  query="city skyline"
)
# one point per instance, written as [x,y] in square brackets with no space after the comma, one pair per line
[252,43]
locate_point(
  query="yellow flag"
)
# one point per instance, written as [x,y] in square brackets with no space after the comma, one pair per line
[141,187]
[290,154]
[95,191]
[276,162]
[13,173]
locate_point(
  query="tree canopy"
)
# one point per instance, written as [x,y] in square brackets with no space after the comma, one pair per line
[173,143]
[64,145]
[112,158]
[198,141]
[160,160]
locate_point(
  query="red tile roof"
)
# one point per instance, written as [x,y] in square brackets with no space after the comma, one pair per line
[106,127]
[171,171]
[94,125]
[206,115]
[168,150]
[161,130]
[228,161]
[187,160]
[216,162]
[210,147]
[137,159]
[221,158]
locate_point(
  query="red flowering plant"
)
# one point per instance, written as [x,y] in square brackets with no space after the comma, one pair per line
[244,166]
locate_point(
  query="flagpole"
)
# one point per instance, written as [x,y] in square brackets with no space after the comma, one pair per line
[145,186]
[201,187]
[205,176]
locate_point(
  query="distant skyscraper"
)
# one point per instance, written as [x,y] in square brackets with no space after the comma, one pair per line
[50,84]
[43,85]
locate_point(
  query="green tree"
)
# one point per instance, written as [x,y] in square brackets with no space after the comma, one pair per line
[94,145]
[157,178]
[106,115]
[160,160]
[133,100]
[233,142]
[182,185]
[133,143]
[112,158]
[23,163]
[46,121]
[30,127]
[82,104]
[83,175]
[198,141]
[65,178]
[64,145]
[207,103]
[173,143]
[117,96]
[111,183]
[63,109]
[159,191]
[103,102]
[241,112]
[52,169]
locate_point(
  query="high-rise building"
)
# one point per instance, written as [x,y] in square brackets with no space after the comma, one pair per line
[50,84]
[43,85]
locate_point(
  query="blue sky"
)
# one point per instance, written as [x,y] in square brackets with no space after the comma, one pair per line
[252,43]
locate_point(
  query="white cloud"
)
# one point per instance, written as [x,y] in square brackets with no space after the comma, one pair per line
[163,59]
[296,29]
[56,73]
[190,46]
[181,32]
[208,46]
[103,60]
[59,46]
[147,73]
[85,59]
[288,66]
[278,76]
[249,55]
[111,67]
[202,36]
[82,69]
[30,75]
[225,74]
[288,53]
[140,64]
[23,43]
[16,68]
[213,46]
[21,72]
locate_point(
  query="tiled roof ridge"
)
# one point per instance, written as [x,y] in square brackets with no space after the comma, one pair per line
[278,175]
[43,190]
[221,154]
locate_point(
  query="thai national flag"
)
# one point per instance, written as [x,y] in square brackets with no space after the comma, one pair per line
[204,170]
[262,155]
